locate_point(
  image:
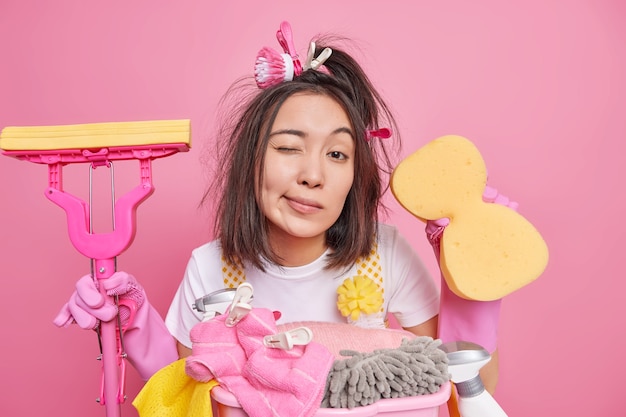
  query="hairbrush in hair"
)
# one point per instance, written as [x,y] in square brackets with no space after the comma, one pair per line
[272,67]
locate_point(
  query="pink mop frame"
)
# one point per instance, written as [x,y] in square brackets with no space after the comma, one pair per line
[102,248]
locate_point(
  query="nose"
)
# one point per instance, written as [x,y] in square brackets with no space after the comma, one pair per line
[311,172]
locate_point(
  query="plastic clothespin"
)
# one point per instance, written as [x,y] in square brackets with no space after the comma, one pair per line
[315,63]
[240,305]
[287,340]
[215,303]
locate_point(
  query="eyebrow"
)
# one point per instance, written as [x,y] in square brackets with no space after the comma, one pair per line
[301,134]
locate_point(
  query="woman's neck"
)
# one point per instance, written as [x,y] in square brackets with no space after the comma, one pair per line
[297,251]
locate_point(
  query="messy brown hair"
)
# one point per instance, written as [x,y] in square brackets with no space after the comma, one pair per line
[240,224]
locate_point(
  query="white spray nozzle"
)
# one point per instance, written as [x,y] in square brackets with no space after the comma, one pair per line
[465,359]
[464,362]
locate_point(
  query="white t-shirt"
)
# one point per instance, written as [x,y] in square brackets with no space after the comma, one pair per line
[309,292]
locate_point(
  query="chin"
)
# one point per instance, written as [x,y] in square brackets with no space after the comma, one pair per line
[304,233]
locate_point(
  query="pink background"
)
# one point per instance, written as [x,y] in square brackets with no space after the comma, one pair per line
[538,87]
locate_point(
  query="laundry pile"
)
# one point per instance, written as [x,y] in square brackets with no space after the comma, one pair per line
[286,380]
[295,369]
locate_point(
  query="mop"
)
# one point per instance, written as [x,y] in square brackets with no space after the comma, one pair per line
[100,144]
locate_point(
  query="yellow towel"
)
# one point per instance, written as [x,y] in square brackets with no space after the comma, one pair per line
[172,393]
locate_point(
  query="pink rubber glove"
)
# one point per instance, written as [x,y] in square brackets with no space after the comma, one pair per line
[87,307]
[147,341]
[491,195]
[461,319]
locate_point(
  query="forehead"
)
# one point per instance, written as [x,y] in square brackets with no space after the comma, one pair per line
[312,110]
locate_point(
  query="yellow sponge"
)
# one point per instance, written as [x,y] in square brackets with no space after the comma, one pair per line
[488,250]
[95,135]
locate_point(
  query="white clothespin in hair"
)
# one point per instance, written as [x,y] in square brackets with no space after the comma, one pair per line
[240,305]
[287,340]
[315,63]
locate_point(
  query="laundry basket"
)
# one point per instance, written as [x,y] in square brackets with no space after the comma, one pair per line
[226,405]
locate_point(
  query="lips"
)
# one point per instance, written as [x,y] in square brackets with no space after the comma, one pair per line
[303,205]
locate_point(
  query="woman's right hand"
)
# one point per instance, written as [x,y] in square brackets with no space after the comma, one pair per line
[87,307]
[147,341]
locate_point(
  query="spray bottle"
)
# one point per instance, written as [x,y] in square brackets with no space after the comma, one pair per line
[465,360]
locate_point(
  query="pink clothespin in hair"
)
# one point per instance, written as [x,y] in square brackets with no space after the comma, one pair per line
[240,306]
[382,133]
[284,35]
[287,340]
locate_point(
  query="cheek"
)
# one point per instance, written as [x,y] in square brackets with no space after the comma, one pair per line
[349,179]
[272,187]
[272,179]
[344,187]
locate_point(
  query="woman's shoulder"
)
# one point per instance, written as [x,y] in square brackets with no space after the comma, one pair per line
[387,233]
[208,252]
[391,241]
[204,268]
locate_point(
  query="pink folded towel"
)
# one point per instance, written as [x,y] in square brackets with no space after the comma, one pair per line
[216,352]
[265,381]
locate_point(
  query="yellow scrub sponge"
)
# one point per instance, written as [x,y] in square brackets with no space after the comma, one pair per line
[488,250]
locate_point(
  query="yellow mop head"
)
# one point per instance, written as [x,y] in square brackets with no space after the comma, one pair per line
[96,135]
[488,250]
